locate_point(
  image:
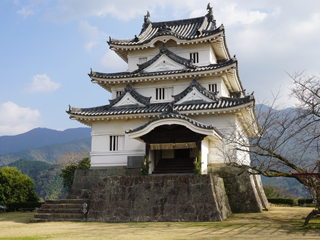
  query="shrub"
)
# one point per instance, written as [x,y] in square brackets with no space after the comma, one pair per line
[145,166]
[67,173]
[286,201]
[16,187]
[197,165]
[302,201]
[16,206]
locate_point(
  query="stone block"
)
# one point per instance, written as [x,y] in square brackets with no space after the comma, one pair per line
[134,162]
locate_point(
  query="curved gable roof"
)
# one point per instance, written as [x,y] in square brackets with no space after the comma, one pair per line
[195,84]
[165,51]
[182,29]
[137,96]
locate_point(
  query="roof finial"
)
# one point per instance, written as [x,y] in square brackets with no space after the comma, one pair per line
[146,18]
[210,12]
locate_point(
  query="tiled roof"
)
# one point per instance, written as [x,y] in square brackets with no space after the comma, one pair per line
[183,29]
[194,84]
[170,113]
[128,89]
[107,110]
[140,73]
[165,51]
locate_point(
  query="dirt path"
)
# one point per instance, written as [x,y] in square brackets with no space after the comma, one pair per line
[278,223]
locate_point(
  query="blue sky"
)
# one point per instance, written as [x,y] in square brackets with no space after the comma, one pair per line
[47,48]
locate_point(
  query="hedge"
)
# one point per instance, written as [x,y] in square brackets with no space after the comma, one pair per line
[302,201]
[16,206]
[287,201]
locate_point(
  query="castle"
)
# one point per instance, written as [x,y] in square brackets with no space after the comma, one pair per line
[176,103]
[180,94]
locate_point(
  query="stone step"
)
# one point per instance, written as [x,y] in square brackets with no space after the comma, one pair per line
[171,171]
[65,206]
[38,220]
[60,210]
[67,201]
[59,215]
[174,169]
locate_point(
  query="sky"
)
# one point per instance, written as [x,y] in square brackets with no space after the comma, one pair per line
[47,48]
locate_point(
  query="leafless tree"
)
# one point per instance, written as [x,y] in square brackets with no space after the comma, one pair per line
[72,158]
[286,141]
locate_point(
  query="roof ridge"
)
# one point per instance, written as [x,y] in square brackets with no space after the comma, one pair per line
[205,24]
[128,89]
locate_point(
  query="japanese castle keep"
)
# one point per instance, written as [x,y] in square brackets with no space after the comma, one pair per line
[178,97]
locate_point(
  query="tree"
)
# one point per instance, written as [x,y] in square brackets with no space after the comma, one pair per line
[287,141]
[69,170]
[16,187]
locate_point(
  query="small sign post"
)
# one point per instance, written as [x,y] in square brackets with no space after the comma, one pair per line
[84,210]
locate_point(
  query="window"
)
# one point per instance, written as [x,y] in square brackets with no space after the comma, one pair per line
[213,87]
[118,93]
[142,60]
[194,57]
[116,143]
[160,93]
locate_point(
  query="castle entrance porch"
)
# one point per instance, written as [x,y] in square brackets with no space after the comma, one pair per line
[172,149]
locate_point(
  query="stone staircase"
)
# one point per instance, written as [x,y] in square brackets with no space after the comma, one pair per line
[174,165]
[61,210]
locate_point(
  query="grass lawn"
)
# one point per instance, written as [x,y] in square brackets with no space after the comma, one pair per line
[278,223]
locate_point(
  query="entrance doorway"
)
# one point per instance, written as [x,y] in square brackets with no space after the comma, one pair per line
[182,153]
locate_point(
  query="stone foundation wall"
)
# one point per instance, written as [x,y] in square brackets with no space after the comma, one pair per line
[84,180]
[169,198]
[245,191]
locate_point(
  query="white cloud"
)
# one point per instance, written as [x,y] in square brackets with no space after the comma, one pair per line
[113,63]
[42,83]
[25,12]
[16,120]
[236,15]
[92,35]
[268,37]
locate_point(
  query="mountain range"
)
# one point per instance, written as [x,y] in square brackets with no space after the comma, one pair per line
[42,144]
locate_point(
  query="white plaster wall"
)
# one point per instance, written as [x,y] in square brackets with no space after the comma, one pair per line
[215,154]
[223,121]
[204,155]
[101,156]
[173,87]
[206,53]
[243,157]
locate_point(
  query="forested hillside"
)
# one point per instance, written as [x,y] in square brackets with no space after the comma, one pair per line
[49,153]
[48,183]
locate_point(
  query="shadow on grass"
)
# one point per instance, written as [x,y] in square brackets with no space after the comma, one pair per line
[18,217]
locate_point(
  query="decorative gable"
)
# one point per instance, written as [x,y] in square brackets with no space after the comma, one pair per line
[164,63]
[165,60]
[128,100]
[194,95]
[130,97]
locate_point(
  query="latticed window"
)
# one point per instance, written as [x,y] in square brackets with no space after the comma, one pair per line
[194,57]
[213,87]
[118,93]
[116,143]
[142,60]
[160,93]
